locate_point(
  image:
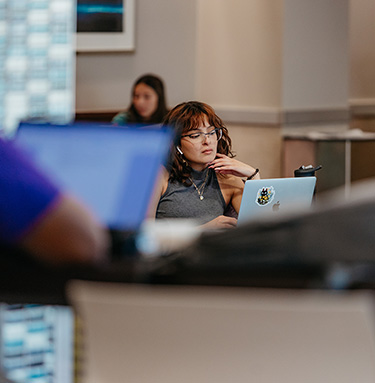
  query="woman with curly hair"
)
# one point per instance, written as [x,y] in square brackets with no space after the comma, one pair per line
[204,180]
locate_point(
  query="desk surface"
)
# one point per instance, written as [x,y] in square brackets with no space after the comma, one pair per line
[26,281]
[204,334]
[348,135]
[329,248]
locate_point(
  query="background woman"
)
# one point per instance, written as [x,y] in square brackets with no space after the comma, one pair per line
[148,103]
[204,179]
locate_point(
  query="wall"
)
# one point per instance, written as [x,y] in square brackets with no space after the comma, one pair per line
[362,50]
[246,47]
[165,44]
[315,54]
[229,54]
[260,146]
[362,64]
[239,53]
[238,72]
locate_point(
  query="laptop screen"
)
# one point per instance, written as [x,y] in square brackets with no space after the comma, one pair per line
[112,169]
[275,196]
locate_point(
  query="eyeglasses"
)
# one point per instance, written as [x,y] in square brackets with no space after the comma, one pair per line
[215,133]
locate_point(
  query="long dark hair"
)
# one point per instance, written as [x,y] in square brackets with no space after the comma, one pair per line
[188,116]
[157,84]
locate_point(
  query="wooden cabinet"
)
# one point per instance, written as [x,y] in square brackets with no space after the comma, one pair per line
[345,157]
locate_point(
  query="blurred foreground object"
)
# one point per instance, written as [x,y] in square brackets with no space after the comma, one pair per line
[37,217]
[331,246]
[37,58]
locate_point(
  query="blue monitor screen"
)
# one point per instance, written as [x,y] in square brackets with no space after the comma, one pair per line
[112,169]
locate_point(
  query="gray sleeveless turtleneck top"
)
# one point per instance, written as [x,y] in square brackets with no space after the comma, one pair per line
[180,201]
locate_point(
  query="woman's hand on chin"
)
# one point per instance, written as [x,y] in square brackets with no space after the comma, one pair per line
[220,222]
[225,165]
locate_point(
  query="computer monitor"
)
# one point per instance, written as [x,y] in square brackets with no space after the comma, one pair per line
[112,169]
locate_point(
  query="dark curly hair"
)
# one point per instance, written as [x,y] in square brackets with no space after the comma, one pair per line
[189,116]
[156,83]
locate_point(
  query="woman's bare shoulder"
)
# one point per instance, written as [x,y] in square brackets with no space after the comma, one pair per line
[160,189]
[164,174]
[163,180]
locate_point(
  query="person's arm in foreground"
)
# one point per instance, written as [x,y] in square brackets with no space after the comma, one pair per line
[67,233]
[37,217]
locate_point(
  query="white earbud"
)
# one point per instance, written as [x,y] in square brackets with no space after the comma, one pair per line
[179,150]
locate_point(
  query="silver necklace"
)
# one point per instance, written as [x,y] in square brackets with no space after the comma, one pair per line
[200,189]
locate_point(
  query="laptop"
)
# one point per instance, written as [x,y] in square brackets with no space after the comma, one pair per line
[267,197]
[112,169]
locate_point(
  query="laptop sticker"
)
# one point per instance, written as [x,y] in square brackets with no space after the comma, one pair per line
[265,196]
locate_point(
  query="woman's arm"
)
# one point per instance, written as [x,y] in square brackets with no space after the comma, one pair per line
[232,187]
[223,164]
[160,189]
[220,222]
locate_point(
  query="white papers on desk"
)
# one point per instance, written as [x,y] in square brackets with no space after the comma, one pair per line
[163,236]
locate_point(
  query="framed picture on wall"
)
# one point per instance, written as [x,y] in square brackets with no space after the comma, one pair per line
[105,25]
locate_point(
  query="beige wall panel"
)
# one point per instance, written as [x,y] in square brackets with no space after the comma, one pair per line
[259,146]
[226,53]
[362,49]
[315,54]
[239,52]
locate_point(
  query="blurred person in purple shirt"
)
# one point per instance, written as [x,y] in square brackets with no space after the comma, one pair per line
[37,217]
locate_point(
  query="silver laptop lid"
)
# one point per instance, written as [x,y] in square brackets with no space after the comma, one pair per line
[275,195]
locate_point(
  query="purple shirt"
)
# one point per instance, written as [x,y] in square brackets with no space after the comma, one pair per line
[25,193]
